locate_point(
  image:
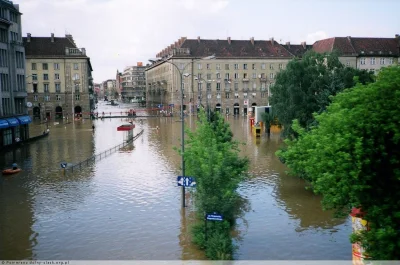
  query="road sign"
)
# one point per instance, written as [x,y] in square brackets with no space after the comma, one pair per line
[186,181]
[214,217]
[159,106]
[63,165]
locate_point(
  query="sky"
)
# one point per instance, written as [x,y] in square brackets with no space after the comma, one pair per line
[120,33]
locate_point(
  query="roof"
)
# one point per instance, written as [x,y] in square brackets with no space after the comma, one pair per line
[236,48]
[297,49]
[42,46]
[349,46]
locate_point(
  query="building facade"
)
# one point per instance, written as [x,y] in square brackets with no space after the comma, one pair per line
[238,79]
[59,78]
[134,83]
[14,121]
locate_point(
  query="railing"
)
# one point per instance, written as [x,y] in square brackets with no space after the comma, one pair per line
[101,155]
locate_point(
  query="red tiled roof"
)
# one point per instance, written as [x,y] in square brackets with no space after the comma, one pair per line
[349,46]
[236,48]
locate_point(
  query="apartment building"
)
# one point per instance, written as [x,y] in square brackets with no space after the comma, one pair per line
[59,78]
[237,79]
[14,121]
[134,82]
[362,53]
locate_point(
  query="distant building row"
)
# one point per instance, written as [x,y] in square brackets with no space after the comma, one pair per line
[240,75]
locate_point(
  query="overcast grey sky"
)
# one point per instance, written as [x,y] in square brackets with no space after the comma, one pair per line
[119,33]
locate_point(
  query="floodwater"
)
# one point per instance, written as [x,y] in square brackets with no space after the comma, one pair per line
[127,205]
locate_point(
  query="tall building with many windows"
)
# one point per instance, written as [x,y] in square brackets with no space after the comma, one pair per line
[13,119]
[134,82]
[238,79]
[59,77]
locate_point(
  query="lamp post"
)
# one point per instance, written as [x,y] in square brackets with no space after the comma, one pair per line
[181,75]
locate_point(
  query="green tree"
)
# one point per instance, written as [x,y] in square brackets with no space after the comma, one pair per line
[212,156]
[305,87]
[352,158]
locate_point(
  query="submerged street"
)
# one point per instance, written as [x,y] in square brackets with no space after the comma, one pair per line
[127,205]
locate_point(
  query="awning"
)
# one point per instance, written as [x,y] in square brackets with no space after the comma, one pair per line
[12,122]
[24,119]
[4,124]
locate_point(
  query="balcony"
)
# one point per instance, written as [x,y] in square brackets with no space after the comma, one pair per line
[227,90]
[245,80]
[263,89]
[263,79]
[245,90]
[227,80]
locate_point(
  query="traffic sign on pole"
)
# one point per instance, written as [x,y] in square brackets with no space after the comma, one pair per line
[186,181]
[214,217]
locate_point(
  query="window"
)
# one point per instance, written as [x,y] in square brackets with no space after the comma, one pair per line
[208,66]
[227,110]
[244,95]
[226,66]
[245,66]
[34,77]
[373,60]
[254,75]
[46,87]
[390,60]
[20,83]
[19,58]
[56,66]
[47,98]
[362,61]
[58,87]
[263,66]
[3,35]
[218,66]
[254,86]
[236,85]
[13,17]
[236,66]
[236,95]
[348,63]
[218,76]
[253,66]
[45,66]
[199,66]
[35,89]
[208,76]
[57,76]
[236,75]
[271,75]
[245,76]
[3,58]
[218,86]
[227,76]
[227,95]
[45,76]
[35,97]
[209,96]
[76,66]
[263,94]
[77,97]
[58,97]
[382,61]
[208,86]
[218,95]
[33,66]
[4,82]
[199,77]
[77,88]
[280,66]
[75,77]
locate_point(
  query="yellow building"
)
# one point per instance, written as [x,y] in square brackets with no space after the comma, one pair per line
[59,78]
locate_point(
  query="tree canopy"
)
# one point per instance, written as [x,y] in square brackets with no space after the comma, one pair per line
[352,158]
[306,84]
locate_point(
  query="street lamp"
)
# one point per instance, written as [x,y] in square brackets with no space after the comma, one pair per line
[181,74]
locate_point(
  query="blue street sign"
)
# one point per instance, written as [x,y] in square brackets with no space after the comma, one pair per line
[159,106]
[186,181]
[63,165]
[214,217]
[171,105]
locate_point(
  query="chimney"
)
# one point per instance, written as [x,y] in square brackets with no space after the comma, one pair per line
[198,39]
[252,40]
[229,40]
[304,45]
[28,38]
[397,36]
[52,37]
[83,51]
[288,44]
[182,40]
[272,41]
